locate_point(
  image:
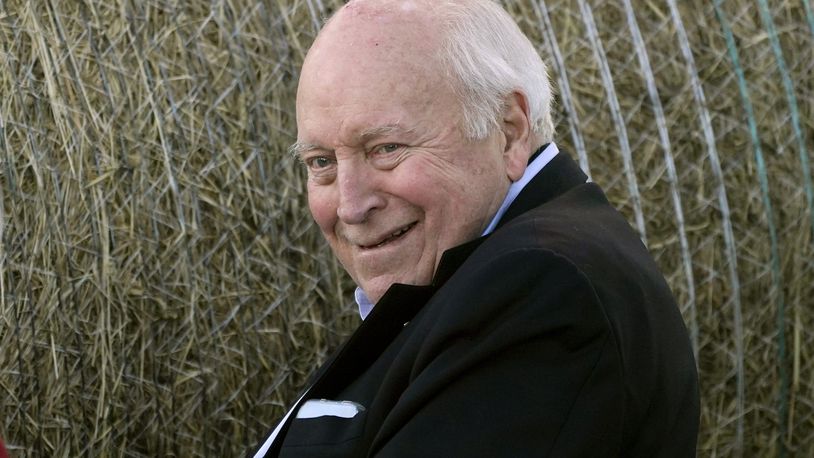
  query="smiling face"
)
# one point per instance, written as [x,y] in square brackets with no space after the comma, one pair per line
[392,182]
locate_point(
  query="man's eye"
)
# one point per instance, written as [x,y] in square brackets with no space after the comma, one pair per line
[319,162]
[389,148]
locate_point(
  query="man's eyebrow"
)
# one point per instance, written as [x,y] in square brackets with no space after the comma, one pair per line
[298,148]
[381,131]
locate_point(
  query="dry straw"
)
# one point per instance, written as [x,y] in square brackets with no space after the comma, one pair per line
[164,292]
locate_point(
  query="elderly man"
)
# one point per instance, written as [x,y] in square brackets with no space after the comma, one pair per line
[508,309]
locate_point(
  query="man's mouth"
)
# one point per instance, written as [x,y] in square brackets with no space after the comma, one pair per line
[390,238]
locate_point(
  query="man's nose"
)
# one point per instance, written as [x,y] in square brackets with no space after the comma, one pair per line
[359,195]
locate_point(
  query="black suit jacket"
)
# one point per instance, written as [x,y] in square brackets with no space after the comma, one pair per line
[556,335]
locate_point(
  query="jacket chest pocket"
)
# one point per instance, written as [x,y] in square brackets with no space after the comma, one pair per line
[326,436]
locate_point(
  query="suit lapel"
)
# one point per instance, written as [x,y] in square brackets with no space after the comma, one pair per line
[386,320]
[399,304]
[397,307]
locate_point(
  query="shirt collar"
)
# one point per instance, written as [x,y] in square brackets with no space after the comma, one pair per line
[534,167]
[538,162]
[365,306]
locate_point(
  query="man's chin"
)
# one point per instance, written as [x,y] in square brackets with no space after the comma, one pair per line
[375,293]
[376,288]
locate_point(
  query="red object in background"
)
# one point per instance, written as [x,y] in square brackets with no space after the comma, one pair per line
[3,453]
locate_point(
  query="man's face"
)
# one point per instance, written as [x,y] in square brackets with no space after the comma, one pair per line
[392,181]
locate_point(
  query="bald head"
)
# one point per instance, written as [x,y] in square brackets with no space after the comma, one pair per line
[372,50]
[418,12]
[479,49]
[373,36]
[395,24]
[371,9]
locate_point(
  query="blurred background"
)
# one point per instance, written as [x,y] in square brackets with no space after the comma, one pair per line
[163,291]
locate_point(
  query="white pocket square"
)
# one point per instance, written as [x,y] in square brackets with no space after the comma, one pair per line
[315,408]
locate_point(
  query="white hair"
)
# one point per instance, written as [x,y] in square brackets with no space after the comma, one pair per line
[490,57]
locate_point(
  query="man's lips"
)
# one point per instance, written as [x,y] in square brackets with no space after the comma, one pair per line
[398,233]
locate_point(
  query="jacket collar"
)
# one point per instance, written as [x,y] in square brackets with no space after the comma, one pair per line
[556,178]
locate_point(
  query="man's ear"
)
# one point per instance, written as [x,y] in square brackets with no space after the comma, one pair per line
[518,134]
